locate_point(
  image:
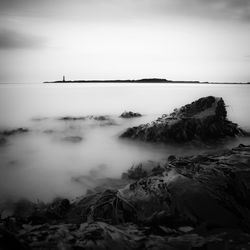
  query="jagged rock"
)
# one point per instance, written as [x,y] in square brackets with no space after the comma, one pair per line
[202,120]
[129,114]
[181,198]
[107,206]
[58,208]
[190,191]
[144,169]
[99,235]
[197,202]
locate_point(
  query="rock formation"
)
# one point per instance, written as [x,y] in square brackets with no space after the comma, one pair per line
[195,202]
[14,131]
[202,120]
[104,120]
[130,114]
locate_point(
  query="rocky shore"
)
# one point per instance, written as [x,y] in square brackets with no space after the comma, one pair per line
[195,202]
[203,120]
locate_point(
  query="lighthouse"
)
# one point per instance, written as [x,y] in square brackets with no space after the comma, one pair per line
[63,78]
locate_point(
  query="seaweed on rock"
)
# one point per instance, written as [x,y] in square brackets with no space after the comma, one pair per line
[203,120]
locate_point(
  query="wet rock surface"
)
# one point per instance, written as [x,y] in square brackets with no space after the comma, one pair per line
[194,202]
[203,120]
[130,114]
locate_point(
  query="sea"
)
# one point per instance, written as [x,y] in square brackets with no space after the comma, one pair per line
[45,163]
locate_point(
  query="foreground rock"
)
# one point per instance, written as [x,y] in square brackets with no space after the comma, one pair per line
[202,120]
[129,114]
[196,202]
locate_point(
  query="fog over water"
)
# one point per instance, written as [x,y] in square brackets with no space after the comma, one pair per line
[43,163]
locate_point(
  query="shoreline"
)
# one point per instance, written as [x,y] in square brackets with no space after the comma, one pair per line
[200,201]
[180,202]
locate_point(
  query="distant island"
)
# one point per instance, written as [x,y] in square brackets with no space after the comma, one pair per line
[143,80]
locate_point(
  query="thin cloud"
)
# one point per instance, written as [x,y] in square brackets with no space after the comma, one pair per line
[10,39]
[117,9]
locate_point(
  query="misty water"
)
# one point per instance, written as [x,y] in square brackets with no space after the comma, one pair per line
[42,163]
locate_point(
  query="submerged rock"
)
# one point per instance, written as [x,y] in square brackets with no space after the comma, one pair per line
[14,131]
[202,120]
[129,114]
[73,139]
[104,120]
[71,118]
[99,118]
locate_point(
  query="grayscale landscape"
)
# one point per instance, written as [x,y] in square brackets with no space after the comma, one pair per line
[125,124]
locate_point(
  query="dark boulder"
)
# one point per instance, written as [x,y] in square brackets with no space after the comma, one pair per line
[202,120]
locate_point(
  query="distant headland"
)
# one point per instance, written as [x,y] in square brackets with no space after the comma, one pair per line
[143,80]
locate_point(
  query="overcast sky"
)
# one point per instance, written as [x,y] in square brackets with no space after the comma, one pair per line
[207,40]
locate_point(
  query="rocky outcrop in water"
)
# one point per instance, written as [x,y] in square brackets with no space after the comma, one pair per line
[130,114]
[72,118]
[14,131]
[196,202]
[103,120]
[202,120]
[72,139]
[4,134]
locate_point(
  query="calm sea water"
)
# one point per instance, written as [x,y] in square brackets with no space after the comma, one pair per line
[41,165]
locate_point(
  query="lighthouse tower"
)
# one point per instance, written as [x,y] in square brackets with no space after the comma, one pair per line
[63,78]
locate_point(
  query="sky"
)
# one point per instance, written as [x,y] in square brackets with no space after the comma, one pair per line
[206,40]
